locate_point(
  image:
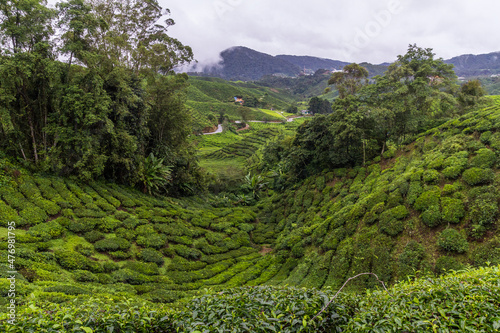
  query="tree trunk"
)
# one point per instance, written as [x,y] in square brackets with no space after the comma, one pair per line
[33,140]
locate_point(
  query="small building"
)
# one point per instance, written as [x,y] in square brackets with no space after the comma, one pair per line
[239,99]
[305,112]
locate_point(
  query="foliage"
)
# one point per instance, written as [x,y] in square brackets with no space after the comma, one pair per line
[452,241]
[155,175]
[111,105]
[478,176]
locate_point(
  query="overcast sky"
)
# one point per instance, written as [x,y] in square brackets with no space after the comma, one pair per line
[349,30]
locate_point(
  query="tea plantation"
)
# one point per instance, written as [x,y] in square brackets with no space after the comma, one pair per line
[100,257]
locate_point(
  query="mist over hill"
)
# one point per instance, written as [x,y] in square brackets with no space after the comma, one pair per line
[242,63]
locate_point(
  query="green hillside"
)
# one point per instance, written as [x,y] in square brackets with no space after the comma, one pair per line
[209,98]
[227,156]
[424,209]
[429,206]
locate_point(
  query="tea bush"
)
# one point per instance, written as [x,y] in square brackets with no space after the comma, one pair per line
[478,176]
[112,244]
[431,216]
[485,159]
[151,255]
[445,263]
[452,241]
[453,210]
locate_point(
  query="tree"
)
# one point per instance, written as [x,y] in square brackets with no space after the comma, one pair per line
[423,86]
[470,93]
[350,80]
[319,106]
[27,76]
[415,93]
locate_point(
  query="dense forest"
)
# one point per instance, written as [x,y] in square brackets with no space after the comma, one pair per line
[378,213]
[88,90]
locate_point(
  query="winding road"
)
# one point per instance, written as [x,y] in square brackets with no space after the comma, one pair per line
[219,127]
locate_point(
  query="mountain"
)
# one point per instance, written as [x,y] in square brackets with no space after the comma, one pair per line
[313,63]
[242,63]
[474,65]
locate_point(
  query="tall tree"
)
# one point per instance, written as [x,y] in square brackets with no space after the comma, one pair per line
[350,80]
[27,76]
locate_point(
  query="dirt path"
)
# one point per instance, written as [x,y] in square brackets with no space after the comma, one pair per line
[218,130]
[244,128]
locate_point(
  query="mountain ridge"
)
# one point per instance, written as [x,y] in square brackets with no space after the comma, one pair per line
[246,64]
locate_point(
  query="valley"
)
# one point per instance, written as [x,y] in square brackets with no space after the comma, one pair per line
[144,191]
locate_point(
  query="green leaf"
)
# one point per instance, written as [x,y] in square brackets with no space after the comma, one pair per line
[87,329]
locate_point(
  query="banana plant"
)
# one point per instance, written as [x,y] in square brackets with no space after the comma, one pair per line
[255,183]
[155,175]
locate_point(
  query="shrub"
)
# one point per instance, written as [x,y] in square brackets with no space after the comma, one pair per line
[143,268]
[84,276]
[153,240]
[485,137]
[187,252]
[414,191]
[488,252]
[125,233]
[298,250]
[112,244]
[67,289]
[131,222]
[395,199]
[33,214]
[108,224]
[150,255]
[410,260]
[164,296]
[93,236]
[485,158]
[453,210]
[122,215]
[477,176]
[82,225]
[46,231]
[452,172]
[144,230]
[431,216]
[495,141]
[120,255]
[452,241]
[86,212]
[431,176]
[372,216]
[7,214]
[390,220]
[444,264]
[84,249]
[70,259]
[427,199]
[484,209]
[129,276]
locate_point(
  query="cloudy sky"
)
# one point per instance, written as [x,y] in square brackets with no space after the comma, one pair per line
[349,30]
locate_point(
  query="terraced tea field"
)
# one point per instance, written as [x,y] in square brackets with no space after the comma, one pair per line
[75,239]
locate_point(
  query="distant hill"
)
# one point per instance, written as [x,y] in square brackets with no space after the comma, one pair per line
[474,65]
[242,63]
[245,64]
[313,63]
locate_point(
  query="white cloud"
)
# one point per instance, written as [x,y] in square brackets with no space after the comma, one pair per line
[349,30]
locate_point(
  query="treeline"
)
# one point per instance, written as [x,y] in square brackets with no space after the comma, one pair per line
[88,90]
[416,93]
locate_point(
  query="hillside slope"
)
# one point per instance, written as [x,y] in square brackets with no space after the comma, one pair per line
[431,207]
[209,98]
